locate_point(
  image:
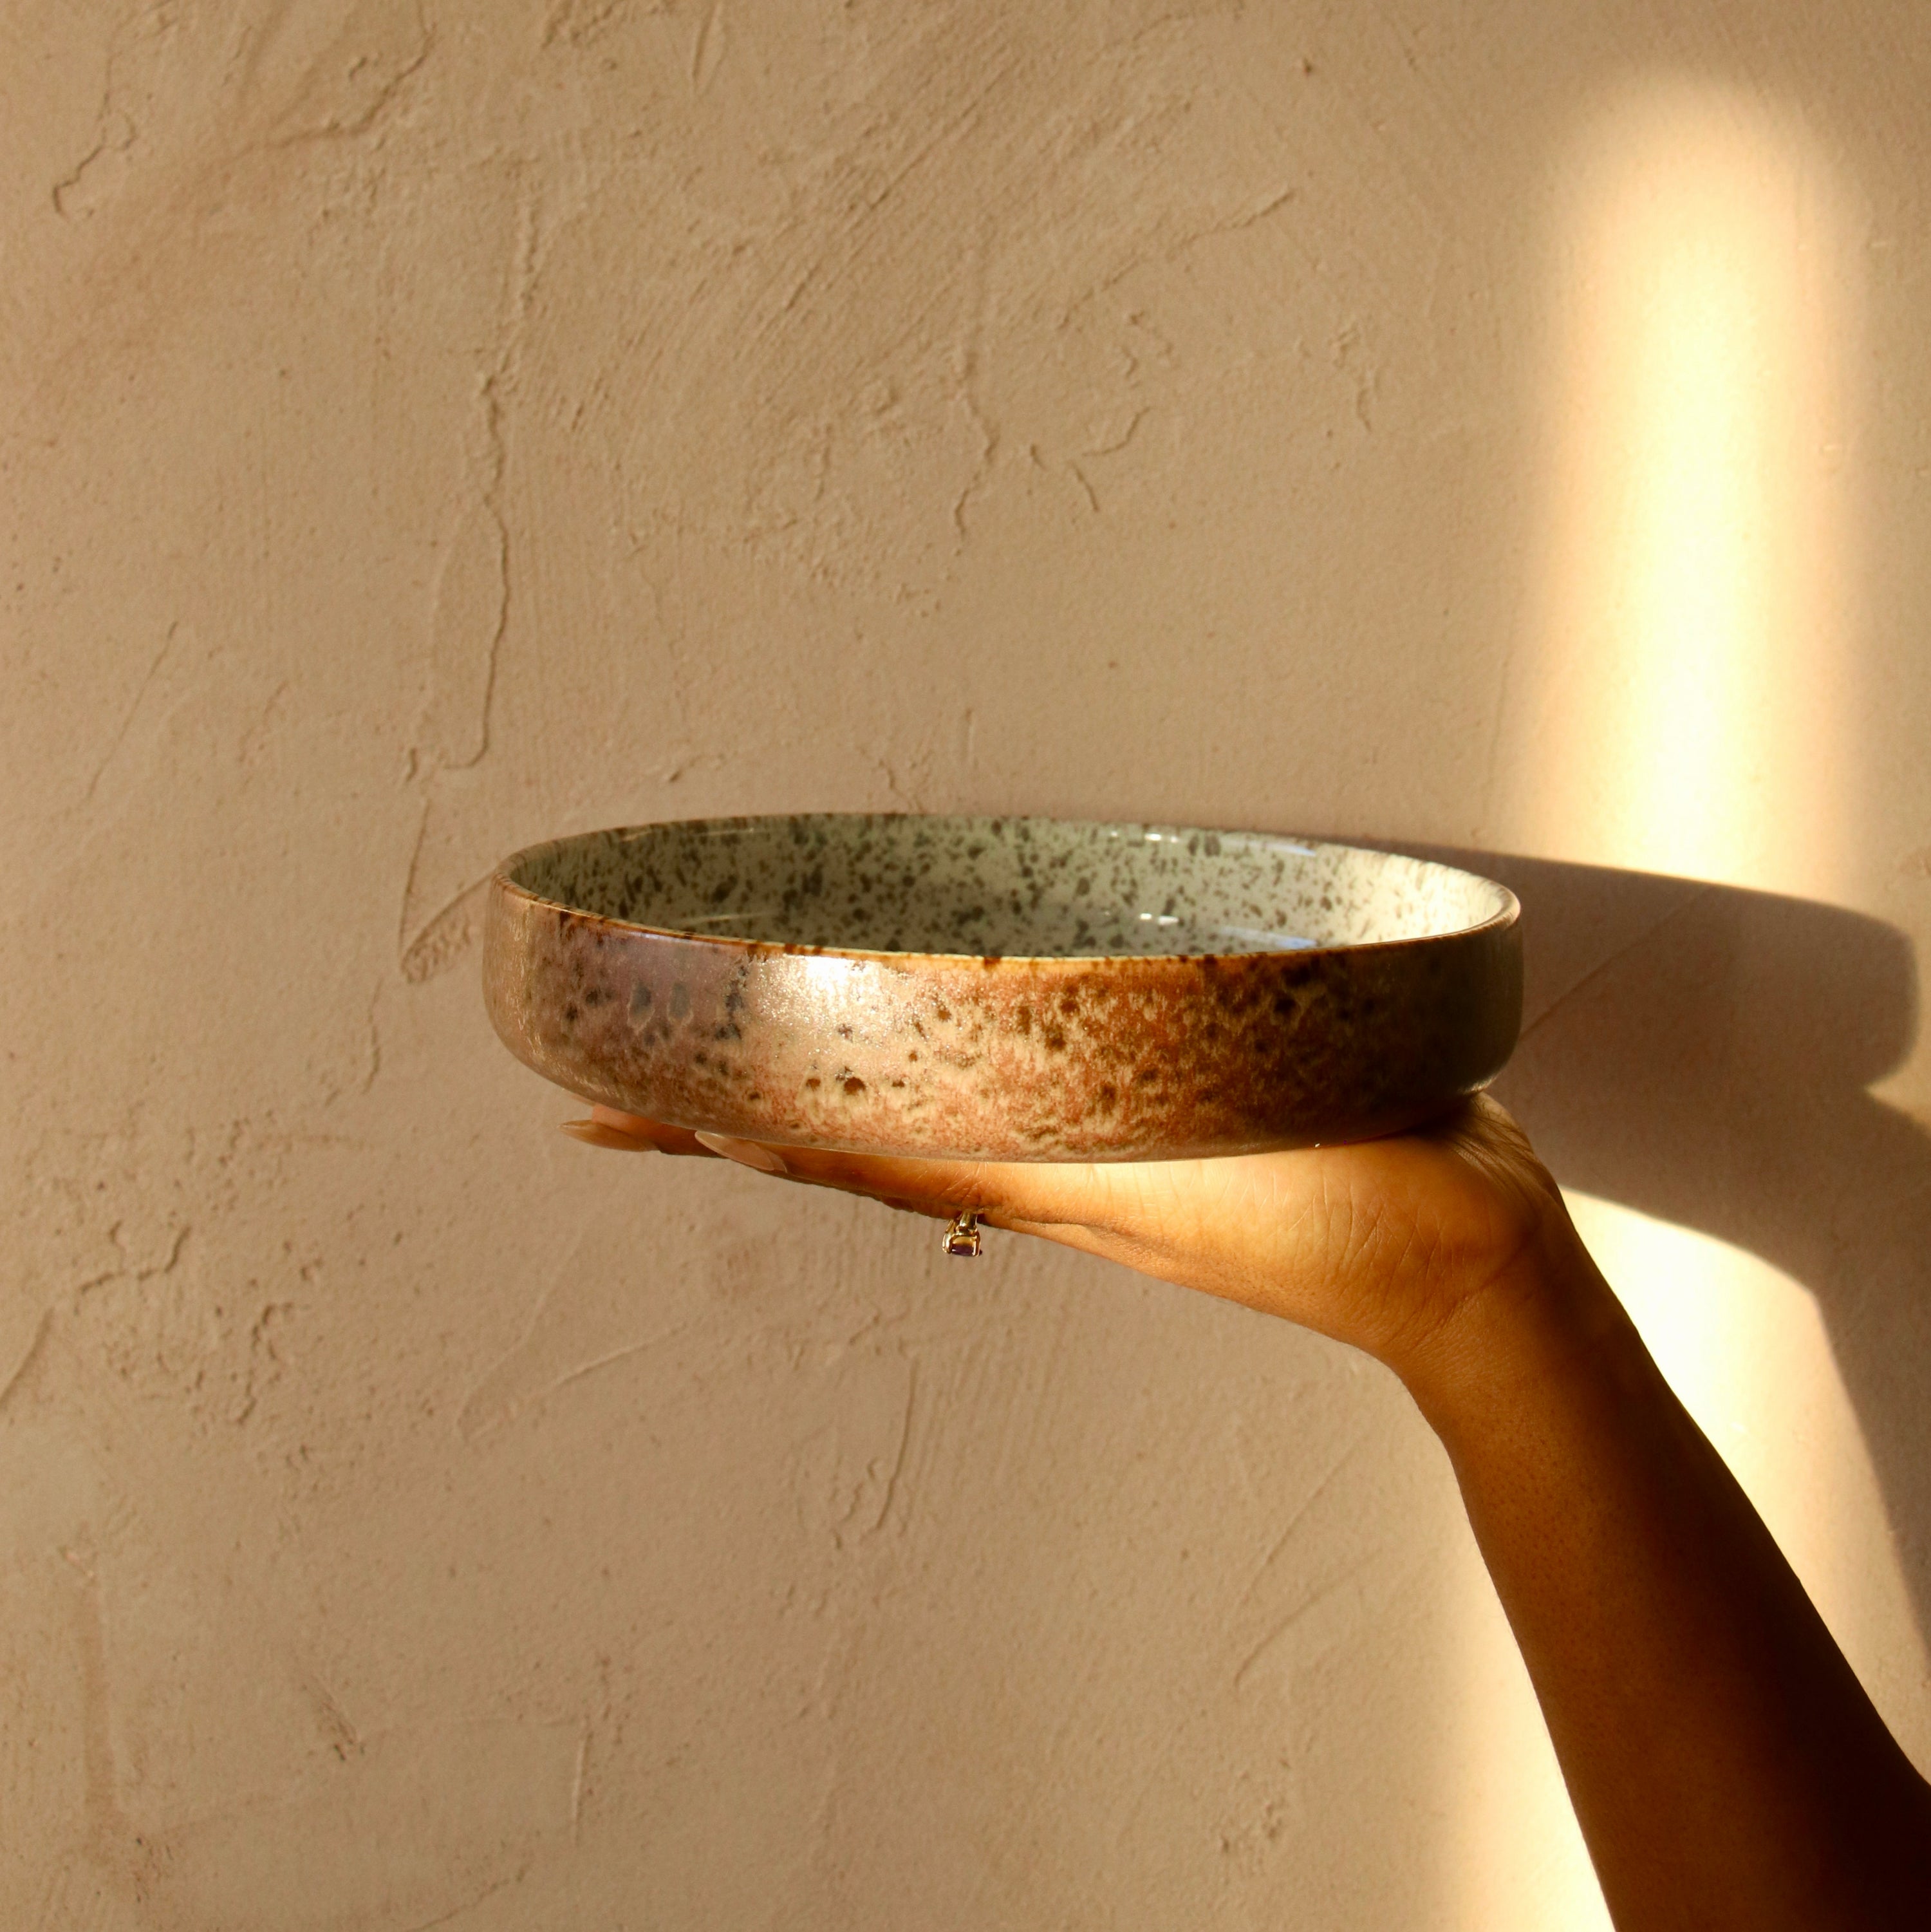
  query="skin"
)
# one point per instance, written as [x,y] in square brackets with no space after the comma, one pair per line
[1726,1766]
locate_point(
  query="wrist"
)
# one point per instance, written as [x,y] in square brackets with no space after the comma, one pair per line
[1546,1315]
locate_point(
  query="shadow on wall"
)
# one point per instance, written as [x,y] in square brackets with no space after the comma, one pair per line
[1701,1054]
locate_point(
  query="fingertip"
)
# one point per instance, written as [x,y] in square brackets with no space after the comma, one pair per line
[746,1153]
[596,1133]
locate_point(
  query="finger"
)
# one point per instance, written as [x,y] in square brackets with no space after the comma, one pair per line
[1065,1234]
[634,1133]
[595,1133]
[1145,1215]
[1016,1198]
[1108,1244]
[1048,1193]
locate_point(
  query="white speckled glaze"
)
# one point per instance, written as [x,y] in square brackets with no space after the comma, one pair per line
[1002,987]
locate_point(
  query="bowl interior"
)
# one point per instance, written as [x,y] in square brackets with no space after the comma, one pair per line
[1019,887]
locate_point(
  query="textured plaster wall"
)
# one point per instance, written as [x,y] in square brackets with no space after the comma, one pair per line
[427,428]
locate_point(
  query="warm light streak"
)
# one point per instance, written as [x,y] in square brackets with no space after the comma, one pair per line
[1685,698]
[1682,705]
[1745,1348]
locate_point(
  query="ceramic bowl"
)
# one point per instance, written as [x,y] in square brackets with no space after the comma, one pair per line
[1003,989]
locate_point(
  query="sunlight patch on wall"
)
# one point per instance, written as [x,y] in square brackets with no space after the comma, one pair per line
[1686,703]
[1745,1348]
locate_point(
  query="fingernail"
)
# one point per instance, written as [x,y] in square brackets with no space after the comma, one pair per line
[594,1133]
[746,1153]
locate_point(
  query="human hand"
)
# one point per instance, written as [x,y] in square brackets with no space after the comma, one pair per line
[1727,1768]
[1382,1244]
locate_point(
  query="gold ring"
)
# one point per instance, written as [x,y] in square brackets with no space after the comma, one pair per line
[961,1235]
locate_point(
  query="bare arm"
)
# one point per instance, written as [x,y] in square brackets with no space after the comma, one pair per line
[1727,1767]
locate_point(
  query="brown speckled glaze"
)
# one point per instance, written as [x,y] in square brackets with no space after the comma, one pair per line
[1009,988]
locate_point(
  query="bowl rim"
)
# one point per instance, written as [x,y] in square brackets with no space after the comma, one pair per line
[501,884]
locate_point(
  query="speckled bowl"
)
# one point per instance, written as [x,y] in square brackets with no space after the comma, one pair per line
[1005,988]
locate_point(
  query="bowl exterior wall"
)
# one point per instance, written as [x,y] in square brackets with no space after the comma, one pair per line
[1001,1059]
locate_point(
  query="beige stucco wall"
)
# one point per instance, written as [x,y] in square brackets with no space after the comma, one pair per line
[426,429]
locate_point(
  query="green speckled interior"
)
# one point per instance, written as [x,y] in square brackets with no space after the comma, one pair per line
[1019,887]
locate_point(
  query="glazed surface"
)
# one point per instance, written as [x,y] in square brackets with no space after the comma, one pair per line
[737,976]
[1040,888]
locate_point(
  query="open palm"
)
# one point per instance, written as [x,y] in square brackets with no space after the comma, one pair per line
[1379,1244]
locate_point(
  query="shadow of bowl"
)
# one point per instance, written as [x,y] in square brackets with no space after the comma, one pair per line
[1703,1054]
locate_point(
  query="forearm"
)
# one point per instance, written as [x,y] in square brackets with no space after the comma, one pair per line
[1726,1765]
[1728,1770]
